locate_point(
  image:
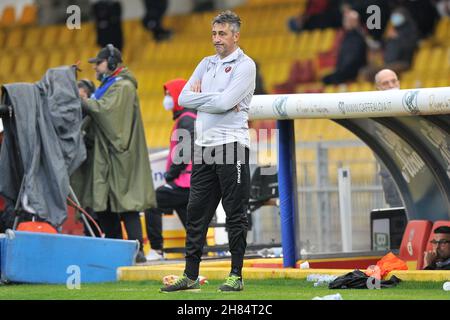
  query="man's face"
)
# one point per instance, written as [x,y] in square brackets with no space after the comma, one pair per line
[388,81]
[101,68]
[442,249]
[350,20]
[224,40]
[83,93]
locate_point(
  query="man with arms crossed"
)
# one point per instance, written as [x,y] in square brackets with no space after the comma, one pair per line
[220,89]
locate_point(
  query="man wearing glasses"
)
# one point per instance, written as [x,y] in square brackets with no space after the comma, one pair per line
[439,257]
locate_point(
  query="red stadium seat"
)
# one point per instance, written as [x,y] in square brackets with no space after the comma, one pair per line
[436,225]
[2,204]
[414,243]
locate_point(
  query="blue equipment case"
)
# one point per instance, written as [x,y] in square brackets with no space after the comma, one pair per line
[29,257]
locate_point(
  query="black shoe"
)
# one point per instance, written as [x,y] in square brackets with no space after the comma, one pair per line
[162,35]
[140,257]
[183,283]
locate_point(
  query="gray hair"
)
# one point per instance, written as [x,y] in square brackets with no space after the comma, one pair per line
[228,17]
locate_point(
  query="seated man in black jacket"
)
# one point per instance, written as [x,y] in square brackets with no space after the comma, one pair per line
[439,257]
[352,52]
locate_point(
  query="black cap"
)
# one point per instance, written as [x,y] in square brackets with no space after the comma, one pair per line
[104,54]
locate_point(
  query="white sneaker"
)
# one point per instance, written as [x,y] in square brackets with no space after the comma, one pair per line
[155,255]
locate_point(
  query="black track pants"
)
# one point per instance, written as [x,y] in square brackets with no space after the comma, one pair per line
[223,174]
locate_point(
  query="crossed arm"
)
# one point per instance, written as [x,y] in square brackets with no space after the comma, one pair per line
[241,84]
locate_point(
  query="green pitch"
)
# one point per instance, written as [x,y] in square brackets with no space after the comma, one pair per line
[272,289]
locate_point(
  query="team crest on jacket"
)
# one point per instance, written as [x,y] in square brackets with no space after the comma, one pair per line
[227,69]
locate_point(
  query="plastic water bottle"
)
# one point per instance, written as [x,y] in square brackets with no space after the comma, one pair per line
[277,252]
[446,286]
[336,296]
[320,283]
[312,277]
[320,279]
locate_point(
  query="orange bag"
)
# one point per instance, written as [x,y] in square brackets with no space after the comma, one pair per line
[385,265]
[34,226]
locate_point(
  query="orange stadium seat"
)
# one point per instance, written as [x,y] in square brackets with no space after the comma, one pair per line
[8,17]
[414,243]
[29,15]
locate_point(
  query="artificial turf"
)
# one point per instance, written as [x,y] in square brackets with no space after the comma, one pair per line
[271,289]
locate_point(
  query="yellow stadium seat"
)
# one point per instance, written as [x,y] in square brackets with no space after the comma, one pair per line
[55,59]
[315,41]
[6,63]
[39,64]
[327,39]
[70,57]
[443,82]
[442,32]
[353,87]
[330,89]
[422,59]
[14,39]
[407,84]
[85,54]
[430,83]
[8,17]
[50,36]
[22,64]
[2,38]
[366,86]
[65,37]
[32,39]
[436,61]
[84,37]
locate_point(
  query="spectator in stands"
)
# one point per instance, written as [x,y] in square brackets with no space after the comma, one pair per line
[175,193]
[387,80]
[352,52]
[424,14]
[260,86]
[85,88]
[220,89]
[439,257]
[443,8]
[319,14]
[401,41]
[108,23]
[361,7]
[203,5]
[115,180]
[152,21]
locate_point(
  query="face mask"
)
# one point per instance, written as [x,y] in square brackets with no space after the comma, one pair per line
[397,19]
[168,103]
